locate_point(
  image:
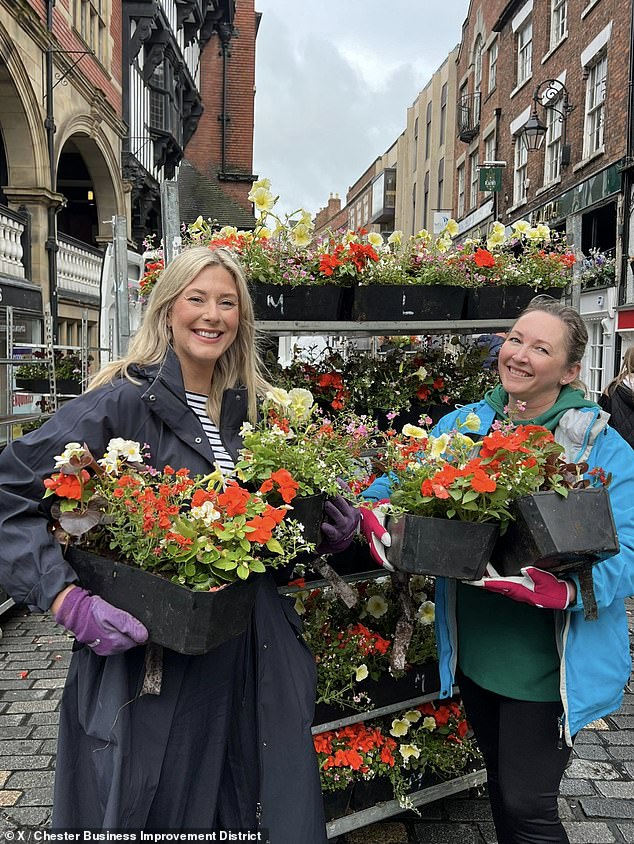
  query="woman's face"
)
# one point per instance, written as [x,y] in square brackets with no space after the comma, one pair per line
[204,320]
[533,361]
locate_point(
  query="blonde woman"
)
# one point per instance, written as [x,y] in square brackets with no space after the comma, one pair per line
[227,742]
[618,399]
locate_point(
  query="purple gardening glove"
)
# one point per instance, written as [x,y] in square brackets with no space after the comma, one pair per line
[535,586]
[339,527]
[373,528]
[96,623]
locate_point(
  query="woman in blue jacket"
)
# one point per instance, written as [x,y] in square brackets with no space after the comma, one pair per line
[227,743]
[531,670]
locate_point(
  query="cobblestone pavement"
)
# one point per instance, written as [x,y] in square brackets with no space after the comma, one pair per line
[597,802]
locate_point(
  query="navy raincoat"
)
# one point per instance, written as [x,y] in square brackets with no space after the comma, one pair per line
[227,743]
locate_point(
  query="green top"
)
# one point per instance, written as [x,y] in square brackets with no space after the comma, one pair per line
[503,645]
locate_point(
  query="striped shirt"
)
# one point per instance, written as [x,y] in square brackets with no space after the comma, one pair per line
[223,459]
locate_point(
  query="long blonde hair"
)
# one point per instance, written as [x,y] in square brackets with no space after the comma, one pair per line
[240,365]
[626,371]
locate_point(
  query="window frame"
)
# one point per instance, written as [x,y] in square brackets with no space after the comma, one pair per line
[558,21]
[525,52]
[520,171]
[594,119]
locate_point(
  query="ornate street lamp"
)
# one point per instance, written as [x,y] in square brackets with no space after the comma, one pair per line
[550,94]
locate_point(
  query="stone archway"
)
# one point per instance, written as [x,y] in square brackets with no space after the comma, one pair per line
[87,163]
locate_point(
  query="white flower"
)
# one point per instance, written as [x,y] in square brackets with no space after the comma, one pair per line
[361,672]
[413,716]
[426,612]
[206,512]
[407,750]
[377,606]
[127,449]
[421,373]
[70,450]
[400,727]
[246,428]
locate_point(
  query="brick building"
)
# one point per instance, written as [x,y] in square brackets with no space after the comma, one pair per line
[563,65]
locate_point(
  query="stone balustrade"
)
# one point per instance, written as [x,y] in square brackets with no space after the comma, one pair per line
[78,266]
[11,253]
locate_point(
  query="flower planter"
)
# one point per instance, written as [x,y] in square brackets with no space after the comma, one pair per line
[178,618]
[309,510]
[336,803]
[557,533]
[286,302]
[441,547]
[408,302]
[65,386]
[418,681]
[367,793]
[495,302]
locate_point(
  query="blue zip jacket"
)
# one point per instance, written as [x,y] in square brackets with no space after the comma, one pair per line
[595,655]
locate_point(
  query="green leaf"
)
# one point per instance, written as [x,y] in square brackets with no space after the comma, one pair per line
[274,546]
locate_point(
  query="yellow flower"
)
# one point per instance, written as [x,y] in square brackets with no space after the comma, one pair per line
[407,750]
[452,228]
[413,716]
[395,237]
[264,234]
[413,431]
[375,239]
[463,441]
[443,244]
[279,396]
[301,234]
[521,227]
[300,401]
[261,183]
[439,445]
[400,727]
[423,234]
[472,422]
[533,234]
[426,613]
[263,199]
[300,609]
[543,231]
[305,217]
[377,606]
[429,723]
[361,672]
[421,373]
[228,231]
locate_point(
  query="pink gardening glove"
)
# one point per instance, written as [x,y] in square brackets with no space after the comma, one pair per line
[535,586]
[373,528]
[94,622]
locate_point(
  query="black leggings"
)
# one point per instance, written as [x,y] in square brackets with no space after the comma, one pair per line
[519,741]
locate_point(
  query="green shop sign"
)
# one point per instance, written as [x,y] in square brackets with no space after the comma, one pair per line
[490,179]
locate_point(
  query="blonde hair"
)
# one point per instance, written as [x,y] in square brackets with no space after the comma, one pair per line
[576,331]
[626,371]
[240,365]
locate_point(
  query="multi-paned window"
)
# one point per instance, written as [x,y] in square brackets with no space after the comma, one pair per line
[525,52]
[489,147]
[477,75]
[593,374]
[520,171]
[428,129]
[443,112]
[552,159]
[165,105]
[441,182]
[558,21]
[89,19]
[415,146]
[493,65]
[595,106]
[461,189]
[473,188]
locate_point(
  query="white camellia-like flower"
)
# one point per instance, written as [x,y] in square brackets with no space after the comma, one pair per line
[70,450]
[361,672]
[376,606]
[408,750]
[400,727]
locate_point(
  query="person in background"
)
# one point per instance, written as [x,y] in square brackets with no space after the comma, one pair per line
[226,744]
[618,399]
[532,671]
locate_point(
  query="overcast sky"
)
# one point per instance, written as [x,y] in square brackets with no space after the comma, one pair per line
[334,79]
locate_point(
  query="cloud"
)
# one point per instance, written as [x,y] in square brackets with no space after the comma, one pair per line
[333,88]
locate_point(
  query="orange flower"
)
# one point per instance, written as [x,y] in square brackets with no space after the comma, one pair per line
[68,486]
[483,258]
